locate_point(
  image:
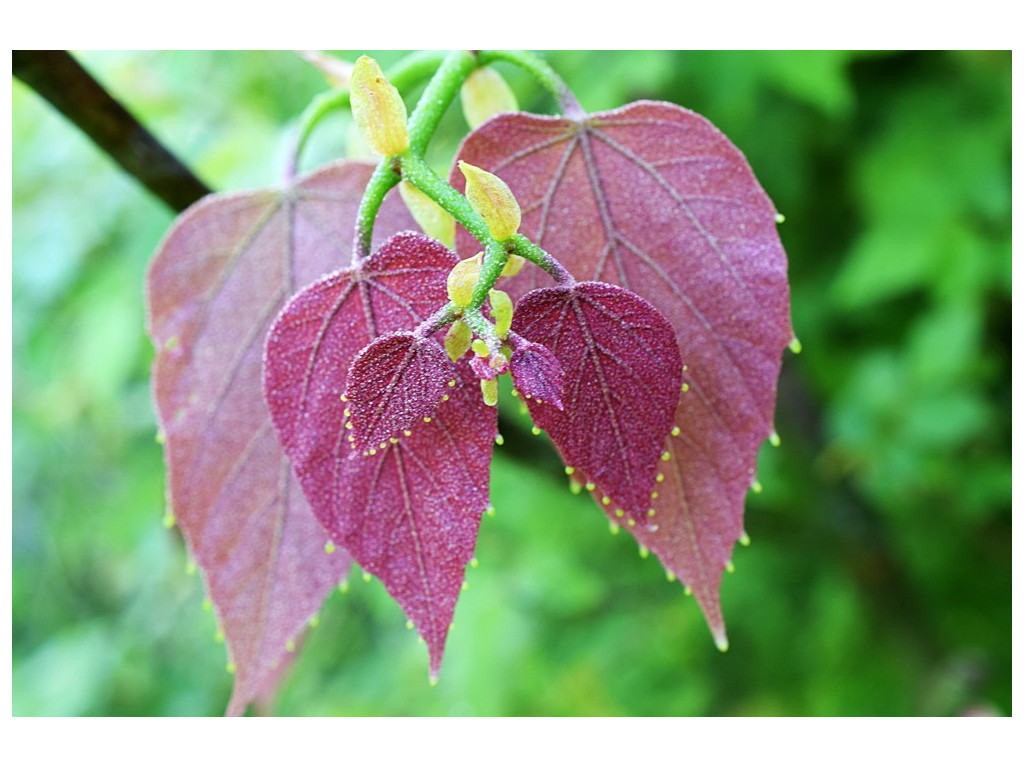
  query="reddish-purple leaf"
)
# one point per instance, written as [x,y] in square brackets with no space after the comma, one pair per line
[654,198]
[215,284]
[408,512]
[621,371]
[536,372]
[395,382]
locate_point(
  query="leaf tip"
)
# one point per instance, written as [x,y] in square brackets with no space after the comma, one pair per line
[721,642]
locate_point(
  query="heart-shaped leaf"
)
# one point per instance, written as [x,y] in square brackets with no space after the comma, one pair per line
[216,283]
[395,382]
[408,513]
[621,372]
[654,198]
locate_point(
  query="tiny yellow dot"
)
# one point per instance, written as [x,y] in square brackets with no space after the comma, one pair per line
[774,439]
[344,399]
[426,419]
[372,452]
[367,577]
[756,487]
[314,620]
[451,383]
[348,425]
[491,511]
[654,494]
[383,446]
[465,586]
[666,456]
[535,430]
[744,539]
[499,440]
[392,440]
[290,646]
[675,431]
[409,624]
[474,563]
[685,387]
[619,513]
[569,470]
[605,500]
[343,587]
[644,552]
[729,567]
[614,528]
[590,486]
[631,522]
[329,547]
[652,512]
[230,668]
[218,636]
[660,478]
[445,398]
[515,393]
[407,432]
[670,576]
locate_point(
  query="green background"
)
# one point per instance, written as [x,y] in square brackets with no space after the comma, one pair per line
[879,577]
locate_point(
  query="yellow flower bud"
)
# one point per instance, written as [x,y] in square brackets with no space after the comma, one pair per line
[493,200]
[434,220]
[378,108]
[484,95]
[462,280]
[457,340]
[489,388]
[513,265]
[501,311]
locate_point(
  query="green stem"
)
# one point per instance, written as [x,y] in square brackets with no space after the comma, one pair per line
[482,328]
[436,98]
[405,74]
[384,178]
[418,173]
[542,72]
[522,246]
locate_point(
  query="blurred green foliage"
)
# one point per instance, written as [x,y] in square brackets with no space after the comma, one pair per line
[878,582]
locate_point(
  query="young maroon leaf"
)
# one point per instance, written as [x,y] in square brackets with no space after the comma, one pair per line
[536,373]
[409,513]
[682,221]
[213,288]
[394,382]
[621,371]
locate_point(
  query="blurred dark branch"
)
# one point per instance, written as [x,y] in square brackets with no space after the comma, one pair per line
[58,78]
